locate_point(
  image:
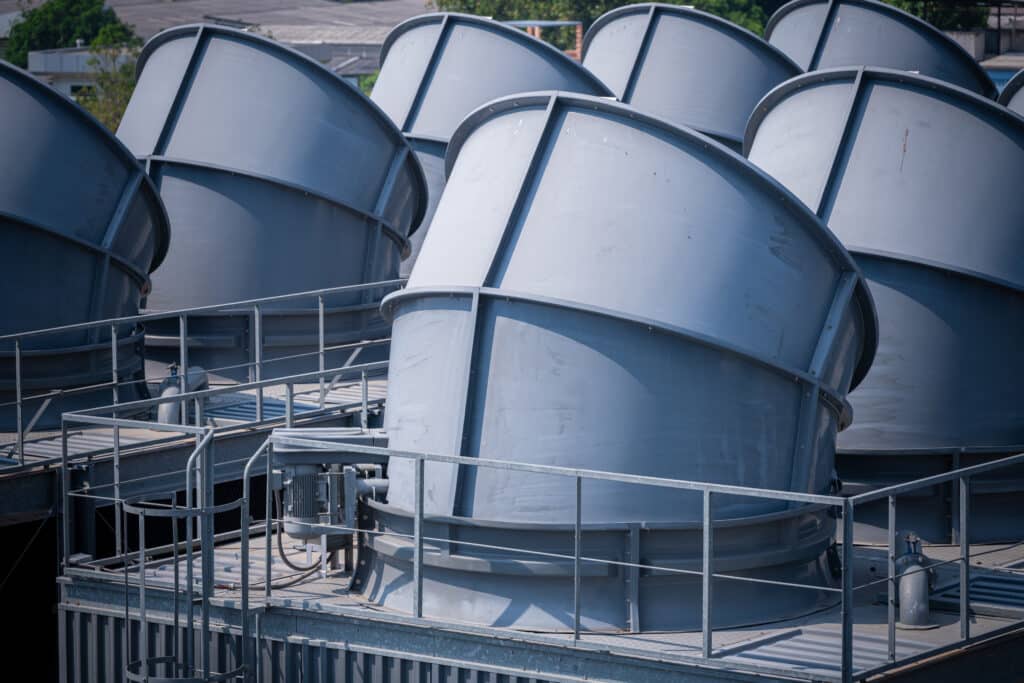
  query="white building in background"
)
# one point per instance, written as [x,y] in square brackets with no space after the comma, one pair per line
[70,70]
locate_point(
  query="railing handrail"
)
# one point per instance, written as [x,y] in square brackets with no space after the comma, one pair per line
[619,477]
[943,478]
[158,315]
[707,572]
[232,389]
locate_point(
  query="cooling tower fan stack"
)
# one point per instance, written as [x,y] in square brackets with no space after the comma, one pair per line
[540,307]
[437,68]
[825,34]
[279,177]
[81,229]
[1012,96]
[685,66]
[913,175]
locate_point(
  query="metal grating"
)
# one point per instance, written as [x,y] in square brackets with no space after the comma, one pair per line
[997,595]
[818,651]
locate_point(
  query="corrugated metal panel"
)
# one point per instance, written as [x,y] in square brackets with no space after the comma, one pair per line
[94,642]
[818,651]
[991,594]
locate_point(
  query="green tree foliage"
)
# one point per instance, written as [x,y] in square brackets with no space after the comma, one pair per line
[945,16]
[746,13]
[114,68]
[60,23]
[115,49]
[367,81]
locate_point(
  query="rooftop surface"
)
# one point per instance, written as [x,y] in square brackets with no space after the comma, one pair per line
[152,16]
[806,647]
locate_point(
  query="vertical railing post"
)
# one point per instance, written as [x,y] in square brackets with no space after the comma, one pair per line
[18,399]
[322,364]
[289,405]
[417,569]
[846,665]
[117,440]
[190,641]
[364,418]
[269,523]
[705,577]
[244,575]
[891,562]
[177,581]
[965,560]
[65,503]
[257,321]
[206,503]
[126,650]
[577,533]
[113,362]
[143,624]
[183,363]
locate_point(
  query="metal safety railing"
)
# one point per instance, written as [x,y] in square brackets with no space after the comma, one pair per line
[846,591]
[93,417]
[199,509]
[844,506]
[254,347]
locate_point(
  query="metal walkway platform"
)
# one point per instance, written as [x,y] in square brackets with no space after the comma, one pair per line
[319,631]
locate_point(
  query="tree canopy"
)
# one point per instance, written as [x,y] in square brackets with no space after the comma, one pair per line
[946,16]
[61,23]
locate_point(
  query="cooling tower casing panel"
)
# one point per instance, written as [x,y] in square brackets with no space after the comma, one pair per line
[437,68]
[535,337]
[913,176]
[279,177]
[1012,96]
[824,34]
[686,66]
[82,227]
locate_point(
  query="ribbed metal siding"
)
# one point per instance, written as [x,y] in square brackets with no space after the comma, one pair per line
[92,652]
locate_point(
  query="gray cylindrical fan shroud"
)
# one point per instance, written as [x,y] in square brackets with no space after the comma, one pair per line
[686,66]
[437,68]
[882,156]
[279,177]
[826,34]
[703,343]
[1012,96]
[85,255]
